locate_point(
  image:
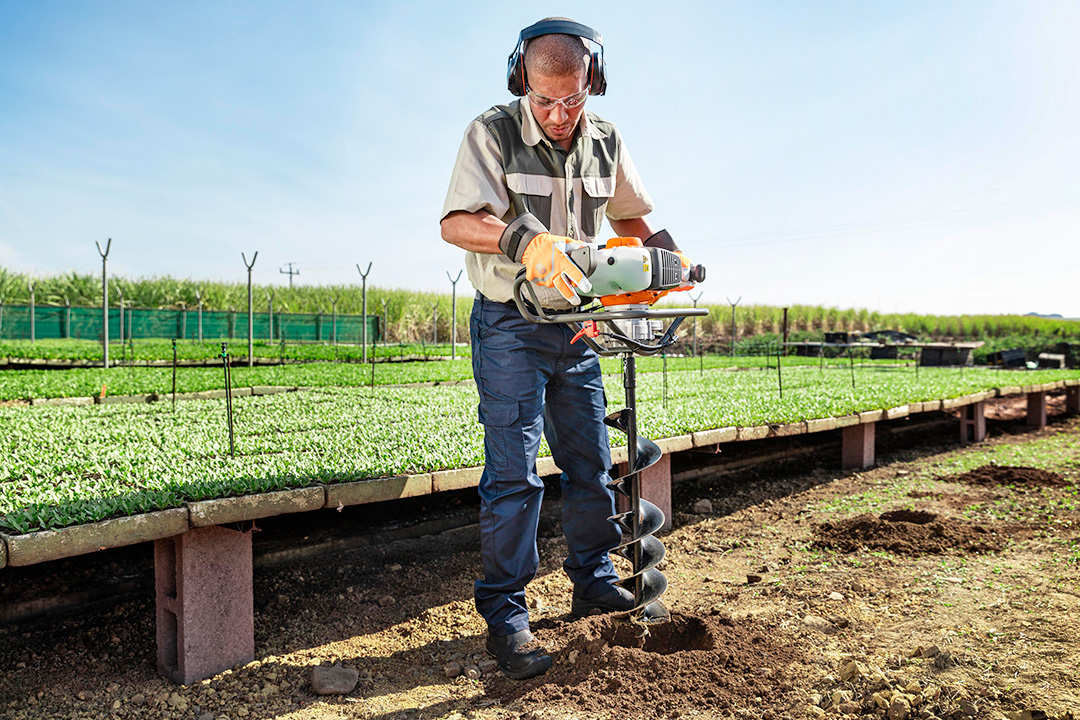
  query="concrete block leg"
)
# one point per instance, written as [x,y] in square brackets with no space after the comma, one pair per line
[205,606]
[858,446]
[1072,400]
[973,423]
[1036,410]
[655,487]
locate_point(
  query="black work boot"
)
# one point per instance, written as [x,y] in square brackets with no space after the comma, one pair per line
[618,599]
[515,662]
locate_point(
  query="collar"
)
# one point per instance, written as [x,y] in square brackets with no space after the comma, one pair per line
[532,134]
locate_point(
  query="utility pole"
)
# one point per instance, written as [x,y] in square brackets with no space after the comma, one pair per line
[363,320]
[290,272]
[453,314]
[251,309]
[733,305]
[104,300]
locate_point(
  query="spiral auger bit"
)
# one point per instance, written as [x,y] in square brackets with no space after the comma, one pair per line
[625,325]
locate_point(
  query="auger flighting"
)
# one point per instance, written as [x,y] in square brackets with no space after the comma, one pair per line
[627,278]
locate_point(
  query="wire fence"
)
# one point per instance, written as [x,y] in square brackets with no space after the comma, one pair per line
[23,322]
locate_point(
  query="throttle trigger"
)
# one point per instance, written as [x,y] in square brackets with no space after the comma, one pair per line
[588,328]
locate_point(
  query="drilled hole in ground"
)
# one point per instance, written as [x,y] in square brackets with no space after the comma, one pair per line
[916,517]
[679,634]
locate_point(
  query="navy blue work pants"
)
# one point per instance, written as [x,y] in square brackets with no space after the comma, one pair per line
[531,380]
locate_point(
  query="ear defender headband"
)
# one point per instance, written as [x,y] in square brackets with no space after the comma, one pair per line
[515,68]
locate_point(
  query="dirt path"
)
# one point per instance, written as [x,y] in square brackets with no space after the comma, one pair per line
[918,589]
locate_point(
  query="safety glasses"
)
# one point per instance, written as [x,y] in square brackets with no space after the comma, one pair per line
[569,102]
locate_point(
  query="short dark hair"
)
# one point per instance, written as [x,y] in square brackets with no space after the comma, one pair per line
[557,55]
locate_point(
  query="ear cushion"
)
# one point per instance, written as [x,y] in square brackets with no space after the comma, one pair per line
[515,73]
[597,74]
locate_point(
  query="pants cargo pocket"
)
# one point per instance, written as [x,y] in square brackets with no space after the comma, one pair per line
[504,440]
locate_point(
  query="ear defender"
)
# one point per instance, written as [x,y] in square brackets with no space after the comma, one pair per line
[515,66]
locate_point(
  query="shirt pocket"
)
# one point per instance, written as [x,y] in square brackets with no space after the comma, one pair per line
[532,194]
[598,191]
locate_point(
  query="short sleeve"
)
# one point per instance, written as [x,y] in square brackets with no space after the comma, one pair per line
[479,180]
[631,199]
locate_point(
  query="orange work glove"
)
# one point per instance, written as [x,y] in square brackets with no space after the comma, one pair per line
[547,264]
[691,274]
[527,241]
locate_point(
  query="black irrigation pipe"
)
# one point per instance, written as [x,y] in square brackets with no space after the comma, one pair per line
[779,377]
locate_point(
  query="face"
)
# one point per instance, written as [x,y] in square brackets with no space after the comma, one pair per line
[557,122]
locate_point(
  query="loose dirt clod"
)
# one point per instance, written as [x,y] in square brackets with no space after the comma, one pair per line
[908,532]
[992,475]
[698,662]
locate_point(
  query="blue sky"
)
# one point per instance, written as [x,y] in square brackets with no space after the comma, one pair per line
[911,156]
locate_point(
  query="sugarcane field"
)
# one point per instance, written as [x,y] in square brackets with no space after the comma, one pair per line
[313,407]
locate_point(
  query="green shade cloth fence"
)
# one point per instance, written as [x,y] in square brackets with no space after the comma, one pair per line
[51,321]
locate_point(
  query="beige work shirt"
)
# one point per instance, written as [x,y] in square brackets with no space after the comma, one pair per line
[507,166]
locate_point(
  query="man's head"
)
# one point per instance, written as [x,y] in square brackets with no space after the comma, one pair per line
[557,68]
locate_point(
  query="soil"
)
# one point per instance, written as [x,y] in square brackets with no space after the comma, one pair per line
[911,590]
[991,475]
[914,532]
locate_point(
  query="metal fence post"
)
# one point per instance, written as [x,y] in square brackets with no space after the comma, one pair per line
[785,330]
[67,317]
[251,310]
[435,324]
[120,300]
[333,326]
[363,326]
[198,296]
[270,316]
[104,300]
[30,285]
[1,318]
[385,322]
[733,305]
[695,299]
[453,314]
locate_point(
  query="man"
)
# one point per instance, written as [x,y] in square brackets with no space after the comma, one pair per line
[528,175]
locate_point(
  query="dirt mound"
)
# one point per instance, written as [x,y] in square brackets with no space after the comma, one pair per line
[907,532]
[607,667]
[991,475]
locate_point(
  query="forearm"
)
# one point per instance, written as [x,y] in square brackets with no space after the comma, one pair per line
[634,227]
[477,232]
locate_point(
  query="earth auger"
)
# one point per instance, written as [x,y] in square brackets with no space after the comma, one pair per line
[625,325]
